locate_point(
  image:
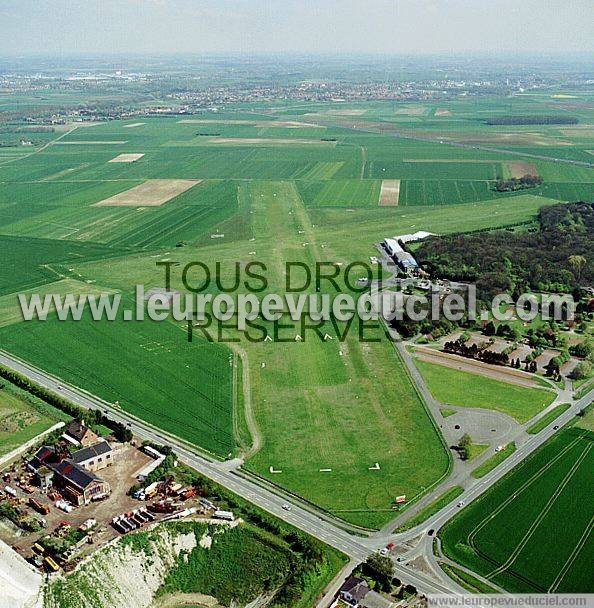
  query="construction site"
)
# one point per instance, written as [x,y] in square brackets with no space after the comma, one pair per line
[63,500]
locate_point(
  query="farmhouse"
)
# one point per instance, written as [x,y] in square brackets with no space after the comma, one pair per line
[353,591]
[78,434]
[79,486]
[356,593]
[95,457]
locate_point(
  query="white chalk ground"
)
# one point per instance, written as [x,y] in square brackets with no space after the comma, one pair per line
[126,158]
[123,576]
[20,583]
[133,125]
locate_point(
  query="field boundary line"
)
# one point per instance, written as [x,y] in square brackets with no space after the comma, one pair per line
[521,489]
[543,513]
[576,550]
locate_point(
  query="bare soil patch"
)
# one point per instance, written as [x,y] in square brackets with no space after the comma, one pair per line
[177,600]
[518,139]
[121,475]
[442,112]
[347,111]
[520,169]
[389,193]
[457,161]
[586,131]
[152,193]
[126,158]
[412,111]
[288,124]
[215,121]
[134,125]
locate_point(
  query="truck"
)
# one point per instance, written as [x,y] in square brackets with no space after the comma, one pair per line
[51,564]
[38,506]
[225,515]
[186,493]
[64,506]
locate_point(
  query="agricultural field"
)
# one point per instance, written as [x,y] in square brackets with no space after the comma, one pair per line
[81,210]
[465,389]
[531,532]
[148,368]
[303,393]
[22,417]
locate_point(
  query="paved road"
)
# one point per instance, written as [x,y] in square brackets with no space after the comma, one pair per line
[356,547]
[481,485]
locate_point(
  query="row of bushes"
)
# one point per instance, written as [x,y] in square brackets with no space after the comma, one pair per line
[120,431]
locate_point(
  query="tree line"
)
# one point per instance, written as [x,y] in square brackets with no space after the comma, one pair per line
[119,430]
[555,257]
[532,120]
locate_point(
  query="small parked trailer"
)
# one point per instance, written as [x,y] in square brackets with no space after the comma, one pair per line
[115,522]
[147,514]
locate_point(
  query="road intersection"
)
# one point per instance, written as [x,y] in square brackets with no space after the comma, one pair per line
[357,546]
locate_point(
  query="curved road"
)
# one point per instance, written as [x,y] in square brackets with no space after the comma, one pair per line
[356,547]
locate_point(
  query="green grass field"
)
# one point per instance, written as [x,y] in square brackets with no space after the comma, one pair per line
[494,461]
[150,368]
[531,532]
[433,507]
[287,196]
[547,418]
[22,417]
[464,389]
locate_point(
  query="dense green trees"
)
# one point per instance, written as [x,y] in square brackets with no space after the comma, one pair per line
[517,183]
[550,259]
[532,120]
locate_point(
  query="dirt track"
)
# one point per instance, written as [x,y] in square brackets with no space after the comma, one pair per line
[503,374]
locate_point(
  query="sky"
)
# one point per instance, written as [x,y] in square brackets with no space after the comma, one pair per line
[63,27]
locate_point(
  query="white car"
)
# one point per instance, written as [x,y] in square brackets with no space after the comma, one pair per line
[286,507]
[383,552]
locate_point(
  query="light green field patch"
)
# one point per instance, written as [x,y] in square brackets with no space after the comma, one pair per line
[19,420]
[463,389]
[10,309]
[412,111]
[322,170]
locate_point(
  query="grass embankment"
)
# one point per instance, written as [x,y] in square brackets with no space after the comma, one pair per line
[494,461]
[23,416]
[543,422]
[469,582]
[433,507]
[476,449]
[314,564]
